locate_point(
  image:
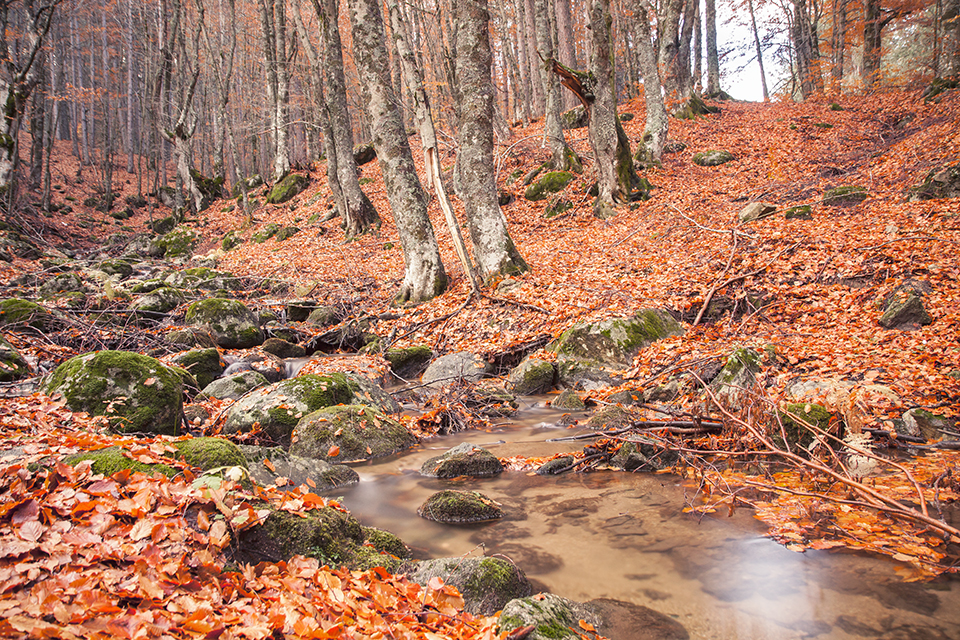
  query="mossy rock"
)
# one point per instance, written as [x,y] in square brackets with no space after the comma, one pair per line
[693,108]
[576,118]
[409,362]
[712,158]
[552,182]
[135,392]
[798,435]
[737,378]
[205,365]
[231,241]
[210,453]
[163,225]
[299,310]
[845,196]
[60,284]
[463,460]
[799,212]
[324,316]
[617,340]
[385,542]
[532,377]
[235,386]
[12,364]
[176,244]
[283,349]
[286,232]
[252,182]
[159,302]
[327,534]
[939,85]
[347,433]
[231,323]
[460,507]
[905,311]
[287,188]
[943,182]
[486,584]
[111,460]
[553,617]
[189,338]
[269,230]
[557,206]
[280,406]
[297,470]
[17,312]
[611,417]
[568,400]
[555,466]
[120,268]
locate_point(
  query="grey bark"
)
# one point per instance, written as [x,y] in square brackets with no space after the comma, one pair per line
[756,42]
[566,51]
[273,26]
[950,42]
[657,122]
[357,212]
[561,156]
[668,54]
[424,276]
[493,248]
[713,55]
[538,101]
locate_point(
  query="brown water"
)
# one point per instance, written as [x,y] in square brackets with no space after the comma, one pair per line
[621,535]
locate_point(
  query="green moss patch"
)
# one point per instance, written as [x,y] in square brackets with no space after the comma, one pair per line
[111,460]
[347,433]
[459,507]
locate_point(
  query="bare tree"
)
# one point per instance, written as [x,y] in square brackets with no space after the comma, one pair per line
[273,25]
[657,122]
[562,157]
[713,56]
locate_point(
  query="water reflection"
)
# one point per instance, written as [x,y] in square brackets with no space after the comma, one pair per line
[622,536]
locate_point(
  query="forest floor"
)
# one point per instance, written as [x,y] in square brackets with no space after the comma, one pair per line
[812,288]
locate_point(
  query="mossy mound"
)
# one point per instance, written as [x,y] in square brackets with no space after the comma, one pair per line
[60,284]
[176,244]
[17,312]
[135,392]
[486,584]
[799,212]
[12,364]
[463,460]
[210,453]
[610,417]
[324,316]
[286,232]
[712,158]
[553,617]
[269,230]
[568,400]
[798,435]
[111,460]
[327,534]
[845,196]
[410,362]
[552,182]
[231,240]
[231,323]
[617,340]
[943,182]
[205,365]
[347,433]
[459,507]
[159,301]
[557,206]
[287,188]
[120,268]
[532,377]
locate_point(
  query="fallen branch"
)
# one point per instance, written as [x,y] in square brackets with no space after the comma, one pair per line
[680,427]
[713,290]
[710,229]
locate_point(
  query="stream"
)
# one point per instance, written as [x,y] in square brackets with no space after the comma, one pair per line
[609,534]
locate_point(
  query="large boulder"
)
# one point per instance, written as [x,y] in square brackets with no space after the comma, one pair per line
[618,340]
[465,459]
[136,393]
[233,325]
[460,507]
[210,453]
[12,364]
[532,377]
[903,308]
[409,362]
[347,433]
[553,617]
[205,365]
[486,584]
[267,464]
[176,244]
[16,313]
[235,386]
[280,406]
[158,302]
[456,367]
[287,188]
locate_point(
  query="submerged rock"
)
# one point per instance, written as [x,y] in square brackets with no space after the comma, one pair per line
[459,507]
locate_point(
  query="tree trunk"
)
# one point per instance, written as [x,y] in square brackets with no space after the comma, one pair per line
[950,41]
[492,246]
[357,212]
[872,25]
[529,15]
[756,42]
[657,123]
[273,27]
[562,157]
[566,52]
[424,277]
[668,54]
[713,56]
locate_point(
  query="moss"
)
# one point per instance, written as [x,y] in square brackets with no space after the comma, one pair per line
[12,365]
[712,158]
[385,542]
[120,268]
[556,207]
[235,326]
[210,453]
[408,362]
[797,433]
[16,311]
[287,188]
[331,536]
[848,195]
[459,507]
[177,243]
[266,233]
[111,460]
[799,212]
[552,182]
[286,232]
[359,432]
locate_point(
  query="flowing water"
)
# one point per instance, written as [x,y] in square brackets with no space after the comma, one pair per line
[619,535]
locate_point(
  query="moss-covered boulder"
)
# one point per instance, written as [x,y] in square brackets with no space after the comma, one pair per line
[712,158]
[576,118]
[230,321]
[324,316]
[283,349]
[60,284]
[942,182]
[299,310]
[231,240]
[347,433]
[465,459]
[205,365]
[287,188]
[268,231]
[568,400]
[381,549]
[210,453]
[799,212]
[176,244]
[250,183]
[158,302]
[486,584]
[795,418]
[12,364]
[285,233]
[737,378]
[18,313]
[845,196]
[189,338]
[611,417]
[921,422]
[532,377]
[551,182]
[114,459]
[410,362]
[456,367]
[267,464]
[327,534]
[280,406]
[234,386]
[119,268]
[460,507]
[553,617]
[618,340]
[136,393]
[555,466]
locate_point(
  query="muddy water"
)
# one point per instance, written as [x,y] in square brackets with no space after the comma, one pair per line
[619,535]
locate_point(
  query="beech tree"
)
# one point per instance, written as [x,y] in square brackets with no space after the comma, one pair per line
[424,276]
[562,157]
[657,122]
[273,25]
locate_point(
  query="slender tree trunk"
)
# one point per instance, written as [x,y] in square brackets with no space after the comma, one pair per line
[950,40]
[657,123]
[713,56]
[562,157]
[358,214]
[536,72]
[526,91]
[424,276]
[273,41]
[668,54]
[756,42]
[566,52]
[872,25]
[494,249]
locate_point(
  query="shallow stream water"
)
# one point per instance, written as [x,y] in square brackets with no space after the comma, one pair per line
[619,535]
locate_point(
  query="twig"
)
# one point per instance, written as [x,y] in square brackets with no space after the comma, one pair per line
[425,323]
[710,229]
[713,290]
[681,427]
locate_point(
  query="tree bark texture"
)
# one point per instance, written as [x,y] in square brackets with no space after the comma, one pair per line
[493,248]
[657,123]
[562,157]
[424,276]
[713,55]
[950,43]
